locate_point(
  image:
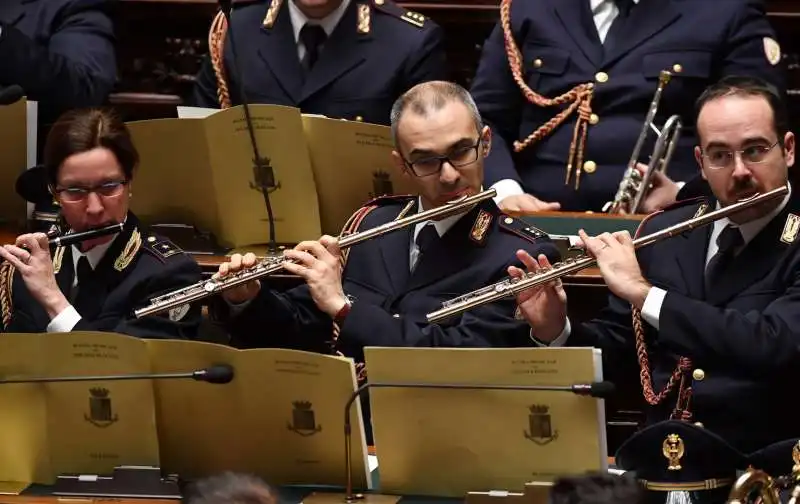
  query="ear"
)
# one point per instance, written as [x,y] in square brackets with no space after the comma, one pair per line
[486,140]
[698,156]
[789,148]
[399,164]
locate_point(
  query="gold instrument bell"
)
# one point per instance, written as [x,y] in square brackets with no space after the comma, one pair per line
[678,462]
[773,476]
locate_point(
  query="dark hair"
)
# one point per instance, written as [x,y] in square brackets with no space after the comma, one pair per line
[741,85]
[82,130]
[596,488]
[229,488]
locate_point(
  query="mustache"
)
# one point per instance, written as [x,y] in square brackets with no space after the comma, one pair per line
[743,185]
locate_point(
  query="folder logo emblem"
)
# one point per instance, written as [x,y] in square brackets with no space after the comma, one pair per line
[100,414]
[264,176]
[381,184]
[541,426]
[303,421]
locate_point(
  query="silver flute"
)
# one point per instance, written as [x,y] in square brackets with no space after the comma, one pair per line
[272,265]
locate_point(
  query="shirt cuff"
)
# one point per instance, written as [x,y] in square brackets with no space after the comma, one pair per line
[680,184]
[64,321]
[561,340]
[506,188]
[651,309]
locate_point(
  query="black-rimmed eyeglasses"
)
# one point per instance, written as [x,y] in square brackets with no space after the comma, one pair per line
[431,165]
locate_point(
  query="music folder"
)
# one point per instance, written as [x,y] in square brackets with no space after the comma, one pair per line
[350,160]
[199,171]
[18,127]
[449,442]
[280,417]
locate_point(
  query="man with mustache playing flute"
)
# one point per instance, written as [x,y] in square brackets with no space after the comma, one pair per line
[716,308]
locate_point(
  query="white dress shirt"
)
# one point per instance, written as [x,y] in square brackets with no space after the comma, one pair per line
[69,317]
[651,309]
[604,12]
[328,23]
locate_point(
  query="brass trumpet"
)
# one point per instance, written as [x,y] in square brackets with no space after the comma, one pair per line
[511,286]
[755,484]
[634,186]
[272,265]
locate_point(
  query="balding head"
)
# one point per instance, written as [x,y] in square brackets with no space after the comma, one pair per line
[432,96]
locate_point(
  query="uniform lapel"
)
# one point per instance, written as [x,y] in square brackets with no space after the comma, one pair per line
[339,54]
[576,17]
[278,50]
[691,258]
[756,260]
[452,254]
[395,250]
[647,19]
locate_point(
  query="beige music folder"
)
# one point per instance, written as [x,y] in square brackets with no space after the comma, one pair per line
[200,171]
[13,161]
[281,418]
[352,164]
[48,429]
[448,442]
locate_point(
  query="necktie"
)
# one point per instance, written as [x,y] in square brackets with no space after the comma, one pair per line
[312,36]
[426,237]
[617,30]
[87,300]
[727,241]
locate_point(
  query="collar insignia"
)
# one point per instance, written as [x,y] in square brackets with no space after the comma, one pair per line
[790,229]
[480,227]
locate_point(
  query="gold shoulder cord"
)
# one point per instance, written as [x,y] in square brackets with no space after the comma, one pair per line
[579,98]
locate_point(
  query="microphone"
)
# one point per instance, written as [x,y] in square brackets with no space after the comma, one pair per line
[217,374]
[262,172]
[11,94]
[599,390]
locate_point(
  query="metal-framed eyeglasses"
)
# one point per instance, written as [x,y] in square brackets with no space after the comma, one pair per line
[431,165]
[76,194]
[719,159]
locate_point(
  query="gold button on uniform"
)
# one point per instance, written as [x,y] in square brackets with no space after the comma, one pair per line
[594,119]
[537,63]
[677,68]
[698,424]
[589,166]
[396,315]
[509,220]
[601,77]
[378,2]
[698,374]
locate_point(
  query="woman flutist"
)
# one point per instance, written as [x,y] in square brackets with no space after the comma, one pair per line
[95,284]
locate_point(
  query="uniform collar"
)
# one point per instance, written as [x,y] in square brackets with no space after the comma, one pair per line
[596,4]
[443,225]
[95,255]
[328,23]
[750,229]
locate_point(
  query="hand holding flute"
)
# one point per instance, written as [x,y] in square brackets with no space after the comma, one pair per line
[30,255]
[544,306]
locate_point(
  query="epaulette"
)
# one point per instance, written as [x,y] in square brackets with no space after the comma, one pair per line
[520,228]
[390,199]
[673,206]
[394,10]
[161,247]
